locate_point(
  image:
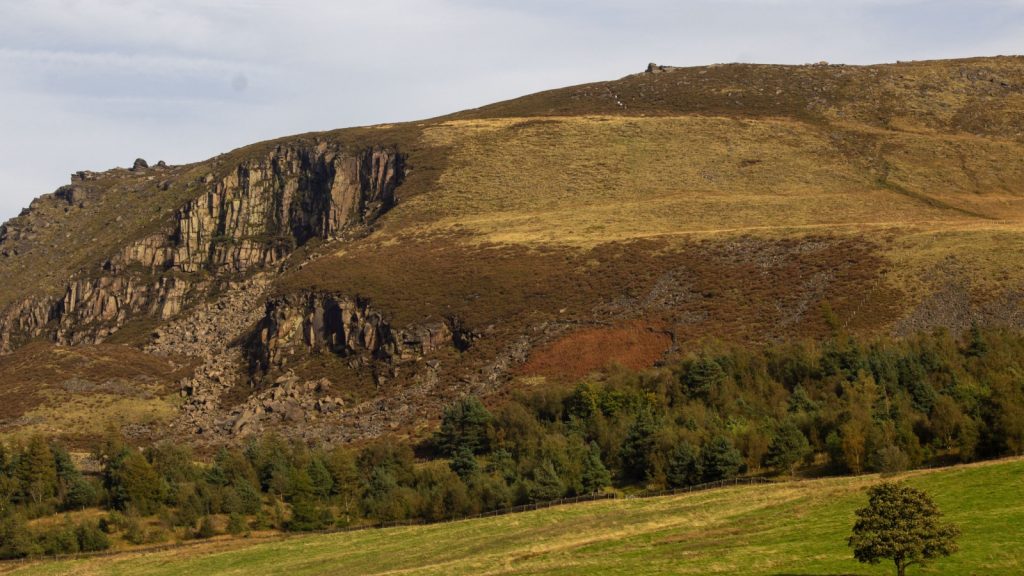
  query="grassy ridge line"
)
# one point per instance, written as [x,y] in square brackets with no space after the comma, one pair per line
[786,528]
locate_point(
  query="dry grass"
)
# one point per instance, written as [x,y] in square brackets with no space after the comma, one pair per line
[589,180]
[76,393]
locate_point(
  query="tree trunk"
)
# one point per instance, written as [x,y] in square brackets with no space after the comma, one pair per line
[901,569]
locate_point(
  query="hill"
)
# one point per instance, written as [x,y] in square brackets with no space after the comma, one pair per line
[787,528]
[347,284]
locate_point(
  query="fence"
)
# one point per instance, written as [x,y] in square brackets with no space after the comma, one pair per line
[420,522]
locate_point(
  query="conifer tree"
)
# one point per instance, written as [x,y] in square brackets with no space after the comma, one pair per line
[595,476]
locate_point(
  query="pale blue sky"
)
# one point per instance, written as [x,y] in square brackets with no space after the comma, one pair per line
[93,84]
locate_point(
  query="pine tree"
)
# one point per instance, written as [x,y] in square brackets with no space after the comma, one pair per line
[547,484]
[464,425]
[236,524]
[701,376]
[15,539]
[464,463]
[684,466]
[37,472]
[132,481]
[595,476]
[788,448]
[635,453]
[91,538]
[320,478]
[720,459]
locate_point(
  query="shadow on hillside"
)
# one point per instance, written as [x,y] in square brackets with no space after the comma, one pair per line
[794,574]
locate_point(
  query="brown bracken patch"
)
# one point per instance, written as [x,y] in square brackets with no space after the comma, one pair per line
[634,345]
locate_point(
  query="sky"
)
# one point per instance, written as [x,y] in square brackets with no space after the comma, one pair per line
[94,84]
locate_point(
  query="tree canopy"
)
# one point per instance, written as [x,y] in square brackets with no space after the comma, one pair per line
[901,524]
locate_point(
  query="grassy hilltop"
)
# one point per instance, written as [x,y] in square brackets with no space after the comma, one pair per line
[789,528]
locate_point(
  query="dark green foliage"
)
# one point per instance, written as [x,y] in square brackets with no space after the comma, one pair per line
[878,406]
[491,492]
[248,496]
[15,539]
[91,538]
[595,477]
[59,540]
[36,471]
[308,515]
[464,426]
[699,377]
[384,498]
[547,484]
[788,448]
[464,463]
[684,466]
[901,524]
[237,524]
[131,481]
[321,480]
[638,447]
[442,494]
[172,462]
[720,460]
[81,493]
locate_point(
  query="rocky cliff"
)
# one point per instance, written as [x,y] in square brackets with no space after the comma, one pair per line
[258,213]
[344,326]
[252,216]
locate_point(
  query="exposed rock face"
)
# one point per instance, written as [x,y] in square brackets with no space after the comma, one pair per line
[342,326]
[250,218]
[260,212]
[210,333]
[91,309]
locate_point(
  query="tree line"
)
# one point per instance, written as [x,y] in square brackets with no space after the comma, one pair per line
[845,405]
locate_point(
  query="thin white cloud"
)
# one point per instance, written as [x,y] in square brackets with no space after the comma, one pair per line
[162,63]
[95,83]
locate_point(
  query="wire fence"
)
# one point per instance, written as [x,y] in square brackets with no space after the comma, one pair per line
[416,522]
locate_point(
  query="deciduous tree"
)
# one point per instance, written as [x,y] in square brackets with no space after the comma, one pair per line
[901,524]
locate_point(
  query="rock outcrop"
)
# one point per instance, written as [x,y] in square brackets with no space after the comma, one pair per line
[260,212]
[253,216]
[339,325]
[92,309]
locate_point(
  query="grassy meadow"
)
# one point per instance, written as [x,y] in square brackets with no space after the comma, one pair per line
[787,528]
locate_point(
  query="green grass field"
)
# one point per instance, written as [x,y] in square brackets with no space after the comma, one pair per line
[791,528]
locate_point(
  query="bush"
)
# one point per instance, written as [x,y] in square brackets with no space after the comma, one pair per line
[81,494]
[237,524]
[307,516]
[59,540]
[206,529]
[91,538]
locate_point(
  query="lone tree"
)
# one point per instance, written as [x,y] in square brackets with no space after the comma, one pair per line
[902,524]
